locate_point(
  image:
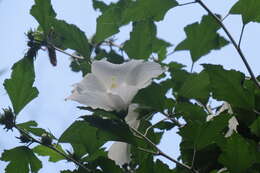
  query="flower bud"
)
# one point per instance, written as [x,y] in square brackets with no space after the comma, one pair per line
[7,119]
[46,139]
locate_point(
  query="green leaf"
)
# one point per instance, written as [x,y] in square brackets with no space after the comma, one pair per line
[81,134]
[31,126]
[148,9]
[99,5]
[204,134]
[255,127]
[249,9]
[72,37]
[153,96]
[19,87]
[140,44]
[202,38]
[227,85]
[165,125]
[45,151]
[108,165]
[118,14]
[21,159]
[191,112]
[43,12]
[109,22]
[196,86]
[80,65]
[116,130]
[237,154]
[148,165]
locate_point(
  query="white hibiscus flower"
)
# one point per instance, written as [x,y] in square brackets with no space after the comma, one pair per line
[112,87]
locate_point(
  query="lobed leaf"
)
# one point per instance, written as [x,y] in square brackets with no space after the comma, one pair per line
[202,38]
[237,154]
[227,85]
[21,159]
[20,87]
[249,9]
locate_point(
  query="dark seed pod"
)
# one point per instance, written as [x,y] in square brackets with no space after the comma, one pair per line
[7,119]
[52,55]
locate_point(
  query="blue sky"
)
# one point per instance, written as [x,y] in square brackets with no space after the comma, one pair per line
[54,83]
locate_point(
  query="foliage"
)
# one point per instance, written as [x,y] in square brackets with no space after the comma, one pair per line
[182,96]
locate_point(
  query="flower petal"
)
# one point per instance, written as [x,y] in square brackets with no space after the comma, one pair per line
[141,75]
[102,100]
[120,153]
[132,116]
[126,92]
[90,83]
[232,126]
[109,73]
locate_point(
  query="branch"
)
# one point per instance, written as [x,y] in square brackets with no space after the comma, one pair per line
[159,152]
[241,35]
[232,41]
[52,148]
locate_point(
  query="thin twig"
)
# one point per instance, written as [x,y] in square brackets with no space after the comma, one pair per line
[52,148]
[233,42]
[241,35]
[66,53]
[193,157]
[147,130]
[111,43]
[224,17]
[192,66]
[159,152]
[173,120]
[147,151]
[188,3]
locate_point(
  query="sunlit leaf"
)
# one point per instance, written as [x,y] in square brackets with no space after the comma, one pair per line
[141,40]
[152,9]
[31,126]
[202,38]
[82,134]
[20,87]
[72,37]
[249,9]
[21,159]
[43,12]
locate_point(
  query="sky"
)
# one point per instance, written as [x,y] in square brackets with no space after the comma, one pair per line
[50,109]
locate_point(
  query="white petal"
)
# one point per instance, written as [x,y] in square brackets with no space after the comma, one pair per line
[102,100]
[126,92]
[222,170]
[132,116]
[143,72]
[232,126]
[224,107]
[90,83]
[210,117]
[120,153]
[109,73]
